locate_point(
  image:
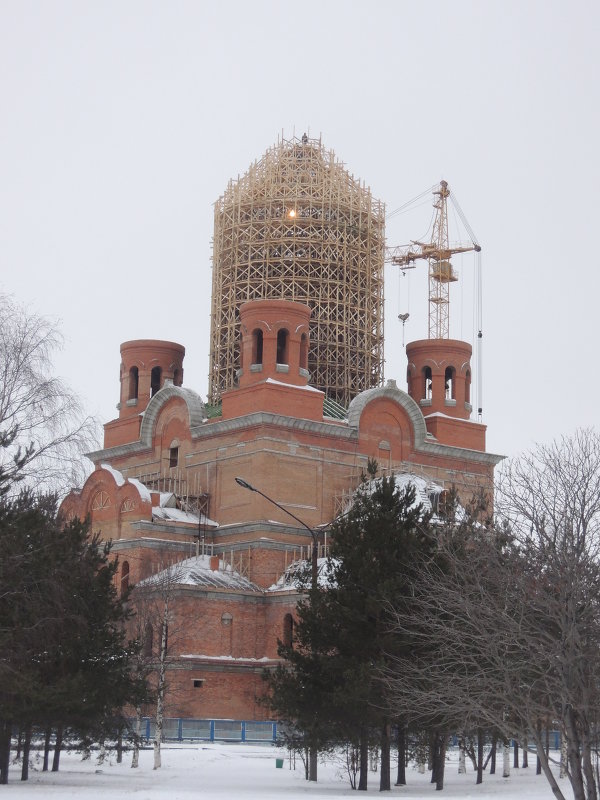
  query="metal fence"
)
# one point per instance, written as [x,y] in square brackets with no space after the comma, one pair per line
[210,730]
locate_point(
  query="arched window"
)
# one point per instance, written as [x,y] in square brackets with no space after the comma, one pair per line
[133,383]
[288,631]
[282,346]
[177,377]
[427,383]
[257,346]
[304,351]
[468,386]
[450,384]
[155,377]
[124,577]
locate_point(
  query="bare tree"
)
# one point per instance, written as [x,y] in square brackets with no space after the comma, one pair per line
[508,616]
[43,430]
[551,500]
[141,625]
[159,628]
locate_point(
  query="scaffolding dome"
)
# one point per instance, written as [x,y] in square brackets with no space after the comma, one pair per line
[297,226]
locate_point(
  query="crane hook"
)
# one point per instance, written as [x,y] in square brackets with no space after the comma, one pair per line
[403,318]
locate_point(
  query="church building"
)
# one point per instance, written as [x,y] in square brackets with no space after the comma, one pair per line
[164,488]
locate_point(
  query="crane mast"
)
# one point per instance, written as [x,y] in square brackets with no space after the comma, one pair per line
[438,254]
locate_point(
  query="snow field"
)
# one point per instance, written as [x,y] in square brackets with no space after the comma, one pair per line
[248,772]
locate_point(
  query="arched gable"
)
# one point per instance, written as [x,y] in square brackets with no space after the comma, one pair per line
[389,422]
[108,498]
[194,404]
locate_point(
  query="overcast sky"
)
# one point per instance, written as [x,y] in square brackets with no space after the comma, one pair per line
[121,123]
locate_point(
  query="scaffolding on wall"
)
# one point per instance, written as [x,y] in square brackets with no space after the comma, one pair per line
[298,226]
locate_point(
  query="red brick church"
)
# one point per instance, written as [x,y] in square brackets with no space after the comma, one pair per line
[164,487]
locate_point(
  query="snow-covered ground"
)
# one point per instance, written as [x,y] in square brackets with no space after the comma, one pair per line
[247,772]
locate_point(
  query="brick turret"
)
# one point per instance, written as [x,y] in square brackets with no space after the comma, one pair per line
[274,362]
[439,376]
[439,380]
[146,366]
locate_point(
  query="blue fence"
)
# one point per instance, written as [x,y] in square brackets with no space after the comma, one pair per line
[211,730]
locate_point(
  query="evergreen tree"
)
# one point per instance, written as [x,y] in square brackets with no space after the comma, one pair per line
[329,686]
[66,664]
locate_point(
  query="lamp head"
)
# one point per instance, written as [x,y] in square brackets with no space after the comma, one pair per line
[244,484]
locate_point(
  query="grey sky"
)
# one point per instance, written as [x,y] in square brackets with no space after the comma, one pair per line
[121,123]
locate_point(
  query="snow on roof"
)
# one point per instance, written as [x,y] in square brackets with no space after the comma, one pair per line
[446,416]
[118,476]
[167,500]
[427,493]
[290,580]
[293,386]
[143,490]
[178,515]
[121,480]
[197,572]
[424,489]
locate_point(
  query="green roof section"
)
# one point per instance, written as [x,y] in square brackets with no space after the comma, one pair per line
[213,411]
[333,410]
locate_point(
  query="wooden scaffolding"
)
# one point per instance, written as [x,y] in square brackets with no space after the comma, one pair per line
[298,226]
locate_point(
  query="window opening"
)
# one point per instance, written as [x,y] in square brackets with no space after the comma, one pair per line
[148,640]
[288,631]
[282,346]
[155,377]
[133,383]
[449,383]
[427,383]
[173,457]
[468,386]
[257,347]
[177,377]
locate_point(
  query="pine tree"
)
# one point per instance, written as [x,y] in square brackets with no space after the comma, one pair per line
[329,685]
[66,664]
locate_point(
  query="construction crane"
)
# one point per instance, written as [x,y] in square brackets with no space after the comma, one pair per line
[437,253]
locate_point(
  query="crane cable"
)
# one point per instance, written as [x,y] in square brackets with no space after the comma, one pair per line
[478,307]
[409,203]
[464,220]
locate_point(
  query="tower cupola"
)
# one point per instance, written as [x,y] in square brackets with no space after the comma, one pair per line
[439,376]
[274,372]
[146,366]
[274,342]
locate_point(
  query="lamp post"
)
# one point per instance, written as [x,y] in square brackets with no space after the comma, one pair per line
[312,760]
[315,541]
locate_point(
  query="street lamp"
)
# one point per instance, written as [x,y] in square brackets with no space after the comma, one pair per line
[315,541]
[312,768]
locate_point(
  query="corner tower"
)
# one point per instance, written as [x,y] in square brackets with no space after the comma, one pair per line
[439,376]
[146,366]
[298,227]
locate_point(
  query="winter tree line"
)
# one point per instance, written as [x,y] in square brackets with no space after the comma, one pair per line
[459,624]
[422,626]
[78,658]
